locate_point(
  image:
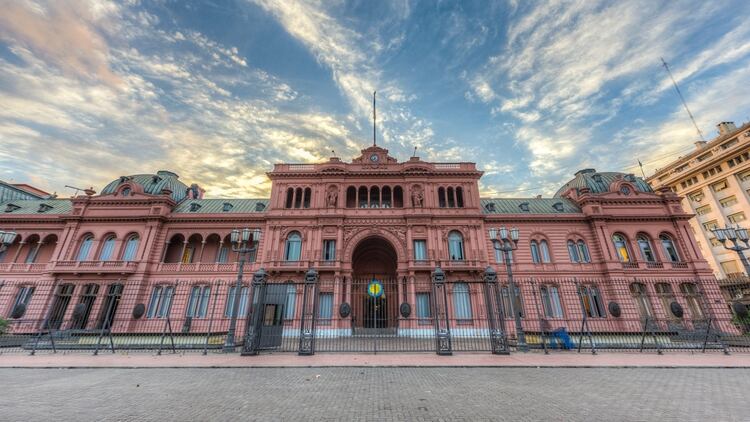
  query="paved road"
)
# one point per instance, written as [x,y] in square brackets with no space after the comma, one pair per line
[463,394]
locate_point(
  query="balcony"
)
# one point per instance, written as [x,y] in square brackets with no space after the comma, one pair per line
[24,268]
[654,265]
[679,265]
[630,266]
[201,267]
[96,267]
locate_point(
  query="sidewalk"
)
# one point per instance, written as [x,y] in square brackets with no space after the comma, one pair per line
[196,360]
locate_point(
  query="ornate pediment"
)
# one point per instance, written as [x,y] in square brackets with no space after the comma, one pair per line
[375,156]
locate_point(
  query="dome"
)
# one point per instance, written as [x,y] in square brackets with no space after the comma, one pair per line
[153,184]
[599,182]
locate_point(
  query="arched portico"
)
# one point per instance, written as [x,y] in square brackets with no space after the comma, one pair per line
[374,284]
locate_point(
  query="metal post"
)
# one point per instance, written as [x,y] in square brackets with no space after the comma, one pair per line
[520,335]
[498,340]
[744,261]
[46,322]
[542,330]
[307,332]
[211,320]
[229,344]
[105,326]
[255,313]
[443,343]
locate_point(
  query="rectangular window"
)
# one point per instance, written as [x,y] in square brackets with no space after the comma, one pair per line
[551,302]
[187,255]
[710,225]
[291,301]
[198,302]
[719,186]
[592,302]
[727,202]
[33,252]
[423,307]
[161,302]
[744,175]
[461,301]
[24,296]
[242,309]
[223,254]
[703,210]
[420,250]
[325,306]
[736,217]
[329,250]
[730,267]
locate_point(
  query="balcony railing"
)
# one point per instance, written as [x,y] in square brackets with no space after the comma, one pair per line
[679,265]
[630,265]
[23,267]
[94,266]
[654,265]
[207,267]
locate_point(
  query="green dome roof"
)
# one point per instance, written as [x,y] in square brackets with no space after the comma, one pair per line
[599,182]
[153,184]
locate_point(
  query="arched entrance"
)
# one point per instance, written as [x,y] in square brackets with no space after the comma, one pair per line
[374,289]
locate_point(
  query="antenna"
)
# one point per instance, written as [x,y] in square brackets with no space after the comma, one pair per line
[374,120]
[677,88]
[641,166]
[73,187]
[415,152]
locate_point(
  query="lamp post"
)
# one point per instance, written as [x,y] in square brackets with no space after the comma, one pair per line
[735,235]
[6,239]
[243,242]
[508,242]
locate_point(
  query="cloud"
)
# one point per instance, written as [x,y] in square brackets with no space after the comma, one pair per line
[63,32]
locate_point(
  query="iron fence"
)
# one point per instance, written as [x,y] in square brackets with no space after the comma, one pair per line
[377,315]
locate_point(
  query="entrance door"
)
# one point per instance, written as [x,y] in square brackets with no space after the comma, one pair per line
[375,298]
[272,319]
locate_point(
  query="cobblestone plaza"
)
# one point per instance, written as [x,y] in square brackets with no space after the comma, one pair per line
[365,394]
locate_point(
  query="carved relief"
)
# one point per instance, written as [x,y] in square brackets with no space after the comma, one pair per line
[417,197]
[332,196]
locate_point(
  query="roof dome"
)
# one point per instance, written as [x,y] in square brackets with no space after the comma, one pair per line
[153,184]
[599,182]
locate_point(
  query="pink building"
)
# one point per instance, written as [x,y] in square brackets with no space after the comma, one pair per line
[606,254]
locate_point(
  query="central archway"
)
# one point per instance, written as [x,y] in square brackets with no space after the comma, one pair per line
[374,261]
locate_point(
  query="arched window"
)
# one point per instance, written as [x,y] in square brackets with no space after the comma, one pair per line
[308,197]
[551,302]
[108,247]
[398,197]
[451,200]
[298,198]
[459,197]
[644,244]
[374,197]
[362,197]
[535,257]
[351,197]
[573,252]
[499,258]
[85,248]
[289,197]
[664,291]
[441,197]
[386,197]
[293,249]
[621,246]
[638,290]
[461,301]
[670,250]
[514,307]
[131,248]
[690,291]
[583,251]
[544,249]
[455,246]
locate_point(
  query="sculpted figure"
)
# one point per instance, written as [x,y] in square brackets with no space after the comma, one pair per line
[332,198]
[417,198]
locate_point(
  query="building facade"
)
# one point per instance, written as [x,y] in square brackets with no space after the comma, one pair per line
[606,250]
[714,183]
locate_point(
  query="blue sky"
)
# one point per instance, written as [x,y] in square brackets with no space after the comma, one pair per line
[218,91]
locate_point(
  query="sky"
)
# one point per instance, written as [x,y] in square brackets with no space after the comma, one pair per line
[220,90]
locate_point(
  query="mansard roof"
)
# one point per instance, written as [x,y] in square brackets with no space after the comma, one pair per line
[36,206]
[219,206]
[599,182]
[153,184]
[9,192]
[529,206]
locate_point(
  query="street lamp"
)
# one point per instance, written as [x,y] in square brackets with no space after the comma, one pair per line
[243,242]
[508,242]
[6,239]
[735,235]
